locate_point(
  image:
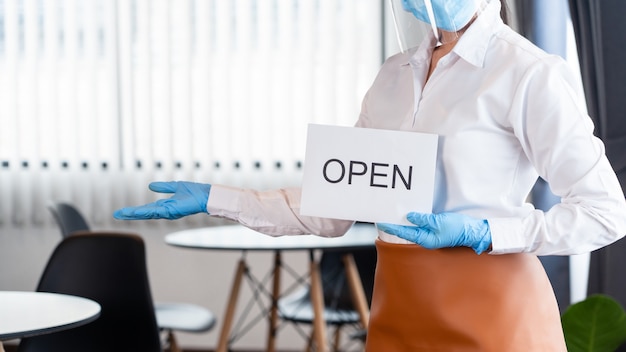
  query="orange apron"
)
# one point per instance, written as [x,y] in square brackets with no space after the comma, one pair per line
[454,300]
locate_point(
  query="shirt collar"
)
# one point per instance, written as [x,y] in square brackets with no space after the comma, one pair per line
[472,46]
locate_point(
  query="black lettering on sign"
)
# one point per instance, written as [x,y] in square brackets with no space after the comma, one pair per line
[343,170]
[396,171]
[378,173]
[374,174]
[352,172]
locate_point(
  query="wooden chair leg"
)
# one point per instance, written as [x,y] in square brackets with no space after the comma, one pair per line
[222,345]
[172,343]
[356,289]
[317,299]
[309,344]
[273,326]
[337,338]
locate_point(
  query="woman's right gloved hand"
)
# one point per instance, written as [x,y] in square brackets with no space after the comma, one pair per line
[189,198]
[443,230]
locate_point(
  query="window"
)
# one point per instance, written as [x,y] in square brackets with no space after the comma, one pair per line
[101,97]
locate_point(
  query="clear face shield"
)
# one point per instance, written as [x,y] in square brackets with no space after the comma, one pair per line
[446,19]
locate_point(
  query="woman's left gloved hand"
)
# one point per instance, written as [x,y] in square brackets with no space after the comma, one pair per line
[443,230]
[188,198]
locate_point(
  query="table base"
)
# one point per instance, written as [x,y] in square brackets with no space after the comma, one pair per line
[317,298]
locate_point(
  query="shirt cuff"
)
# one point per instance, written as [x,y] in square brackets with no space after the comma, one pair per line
[507,236]
[224,202]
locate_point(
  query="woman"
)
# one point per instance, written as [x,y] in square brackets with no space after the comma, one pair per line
[505,112]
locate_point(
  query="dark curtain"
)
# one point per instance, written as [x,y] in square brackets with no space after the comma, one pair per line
[544,23]
[601,40]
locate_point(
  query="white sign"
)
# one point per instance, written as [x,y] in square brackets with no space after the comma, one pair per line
[365,174]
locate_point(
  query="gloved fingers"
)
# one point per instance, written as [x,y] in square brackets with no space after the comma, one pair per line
[409,233]
[121,214]
[413,234]
[135,213]
[188,198]
[146,212]
[163,187]
[422,219]
[389,228]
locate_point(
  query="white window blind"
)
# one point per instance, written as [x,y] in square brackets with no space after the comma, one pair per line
[100,97]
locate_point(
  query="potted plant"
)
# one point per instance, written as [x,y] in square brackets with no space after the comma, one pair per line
[596,324]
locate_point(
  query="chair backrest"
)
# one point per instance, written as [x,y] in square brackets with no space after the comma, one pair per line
[68,217]
[334,282]
[109,268]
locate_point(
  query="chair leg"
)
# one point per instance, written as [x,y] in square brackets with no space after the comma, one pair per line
[309,344]
[172,343]
[337,338]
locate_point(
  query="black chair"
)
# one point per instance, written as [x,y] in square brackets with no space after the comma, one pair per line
[109,268]
[68,218]
[171,316]
[339,310]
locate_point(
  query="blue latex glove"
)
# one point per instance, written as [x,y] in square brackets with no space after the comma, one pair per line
[443,230]
[189,198]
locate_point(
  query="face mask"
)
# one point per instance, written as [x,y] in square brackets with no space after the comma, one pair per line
[449,15]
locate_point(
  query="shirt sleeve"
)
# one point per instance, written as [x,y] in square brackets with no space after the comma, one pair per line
[273,212]
[550,120]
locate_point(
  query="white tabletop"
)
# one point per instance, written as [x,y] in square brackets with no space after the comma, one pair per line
[238,237]
[25,314]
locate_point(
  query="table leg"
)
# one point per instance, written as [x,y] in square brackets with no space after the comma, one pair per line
[317,298]
[356,289]
[271,340]
[230,309]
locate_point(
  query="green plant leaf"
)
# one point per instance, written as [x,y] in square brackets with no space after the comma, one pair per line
[596,324]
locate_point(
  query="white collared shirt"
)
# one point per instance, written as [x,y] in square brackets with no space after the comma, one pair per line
[506,112]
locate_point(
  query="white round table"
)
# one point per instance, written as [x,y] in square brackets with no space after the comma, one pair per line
[240,238]
[24,313]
